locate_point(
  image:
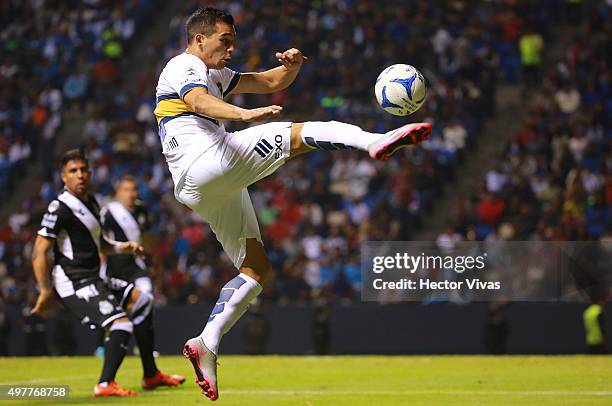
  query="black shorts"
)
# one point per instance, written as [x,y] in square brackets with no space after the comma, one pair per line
[119,279]
[95,304]
[121,288]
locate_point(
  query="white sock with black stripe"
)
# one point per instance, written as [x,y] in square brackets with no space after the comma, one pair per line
[332,135]
[233,302]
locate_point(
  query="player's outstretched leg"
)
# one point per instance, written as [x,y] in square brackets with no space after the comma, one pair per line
[115,347]
[141,312]
[333,135]
[232,303]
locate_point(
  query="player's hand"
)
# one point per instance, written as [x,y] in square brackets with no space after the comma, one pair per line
[131,247]
[291,59]
[44,303]
[261,113]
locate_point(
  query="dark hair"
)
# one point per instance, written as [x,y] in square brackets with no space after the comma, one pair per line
[126,178]
[76,154]
[204,20]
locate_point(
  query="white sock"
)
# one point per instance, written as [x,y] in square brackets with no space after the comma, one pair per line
[233,301]
[332,135]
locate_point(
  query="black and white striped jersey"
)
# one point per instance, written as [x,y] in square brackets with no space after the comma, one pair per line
[121,224]
[75,227]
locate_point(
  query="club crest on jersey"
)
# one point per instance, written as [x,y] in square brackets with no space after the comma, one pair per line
[105,307]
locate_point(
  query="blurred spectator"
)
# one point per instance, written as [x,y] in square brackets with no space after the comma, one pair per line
[454,135]
[531,46]
[48,49]
[496,329]
[447,240]
[491,209]
[321,329]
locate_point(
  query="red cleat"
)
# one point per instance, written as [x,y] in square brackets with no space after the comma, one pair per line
[205,365]
[410,134]
[161,379]
[113,389]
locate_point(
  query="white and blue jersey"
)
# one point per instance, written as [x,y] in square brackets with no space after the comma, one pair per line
[185,135]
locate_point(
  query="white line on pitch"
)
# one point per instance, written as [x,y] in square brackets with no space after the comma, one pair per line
[307,392]
[64,380]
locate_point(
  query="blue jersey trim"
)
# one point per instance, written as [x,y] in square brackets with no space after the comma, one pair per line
[190,86]
[232,84]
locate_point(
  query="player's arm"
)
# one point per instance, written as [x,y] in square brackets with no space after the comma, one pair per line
[275,79]
[42,246]
[199,101]
[110,247]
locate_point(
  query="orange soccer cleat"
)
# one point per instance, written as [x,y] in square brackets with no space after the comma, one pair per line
[161,379]
[112,389]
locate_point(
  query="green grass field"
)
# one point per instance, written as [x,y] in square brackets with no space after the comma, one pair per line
[356,380]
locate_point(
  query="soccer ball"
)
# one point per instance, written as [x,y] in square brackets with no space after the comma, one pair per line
[400,89]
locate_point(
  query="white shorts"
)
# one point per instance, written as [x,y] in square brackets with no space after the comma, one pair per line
[214,186]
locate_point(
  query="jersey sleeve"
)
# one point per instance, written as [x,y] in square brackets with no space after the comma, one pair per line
[108,223]
[229,80]
[53,221]
[185,75]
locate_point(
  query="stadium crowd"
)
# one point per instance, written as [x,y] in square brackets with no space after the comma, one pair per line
[314,211]
[55,55]
[554,179]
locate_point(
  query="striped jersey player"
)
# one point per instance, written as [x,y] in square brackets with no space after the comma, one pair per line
[126,219]
[71,226]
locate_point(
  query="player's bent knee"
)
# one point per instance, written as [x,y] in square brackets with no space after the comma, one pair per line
[144,284]
[256,263]
[122,323]
[260,272]
[141,305]
[297,145]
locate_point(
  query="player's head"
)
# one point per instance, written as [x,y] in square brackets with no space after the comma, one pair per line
[75,172]
[211,36]
[126,191]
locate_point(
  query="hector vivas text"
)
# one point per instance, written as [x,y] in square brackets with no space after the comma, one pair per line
[410,264]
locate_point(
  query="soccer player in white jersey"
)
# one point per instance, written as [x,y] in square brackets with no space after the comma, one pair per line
[212,168]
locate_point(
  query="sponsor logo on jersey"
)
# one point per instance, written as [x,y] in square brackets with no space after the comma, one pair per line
[87,292]
[49,220]
[264,148]
[191,76]
[173,143]
[278,146]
